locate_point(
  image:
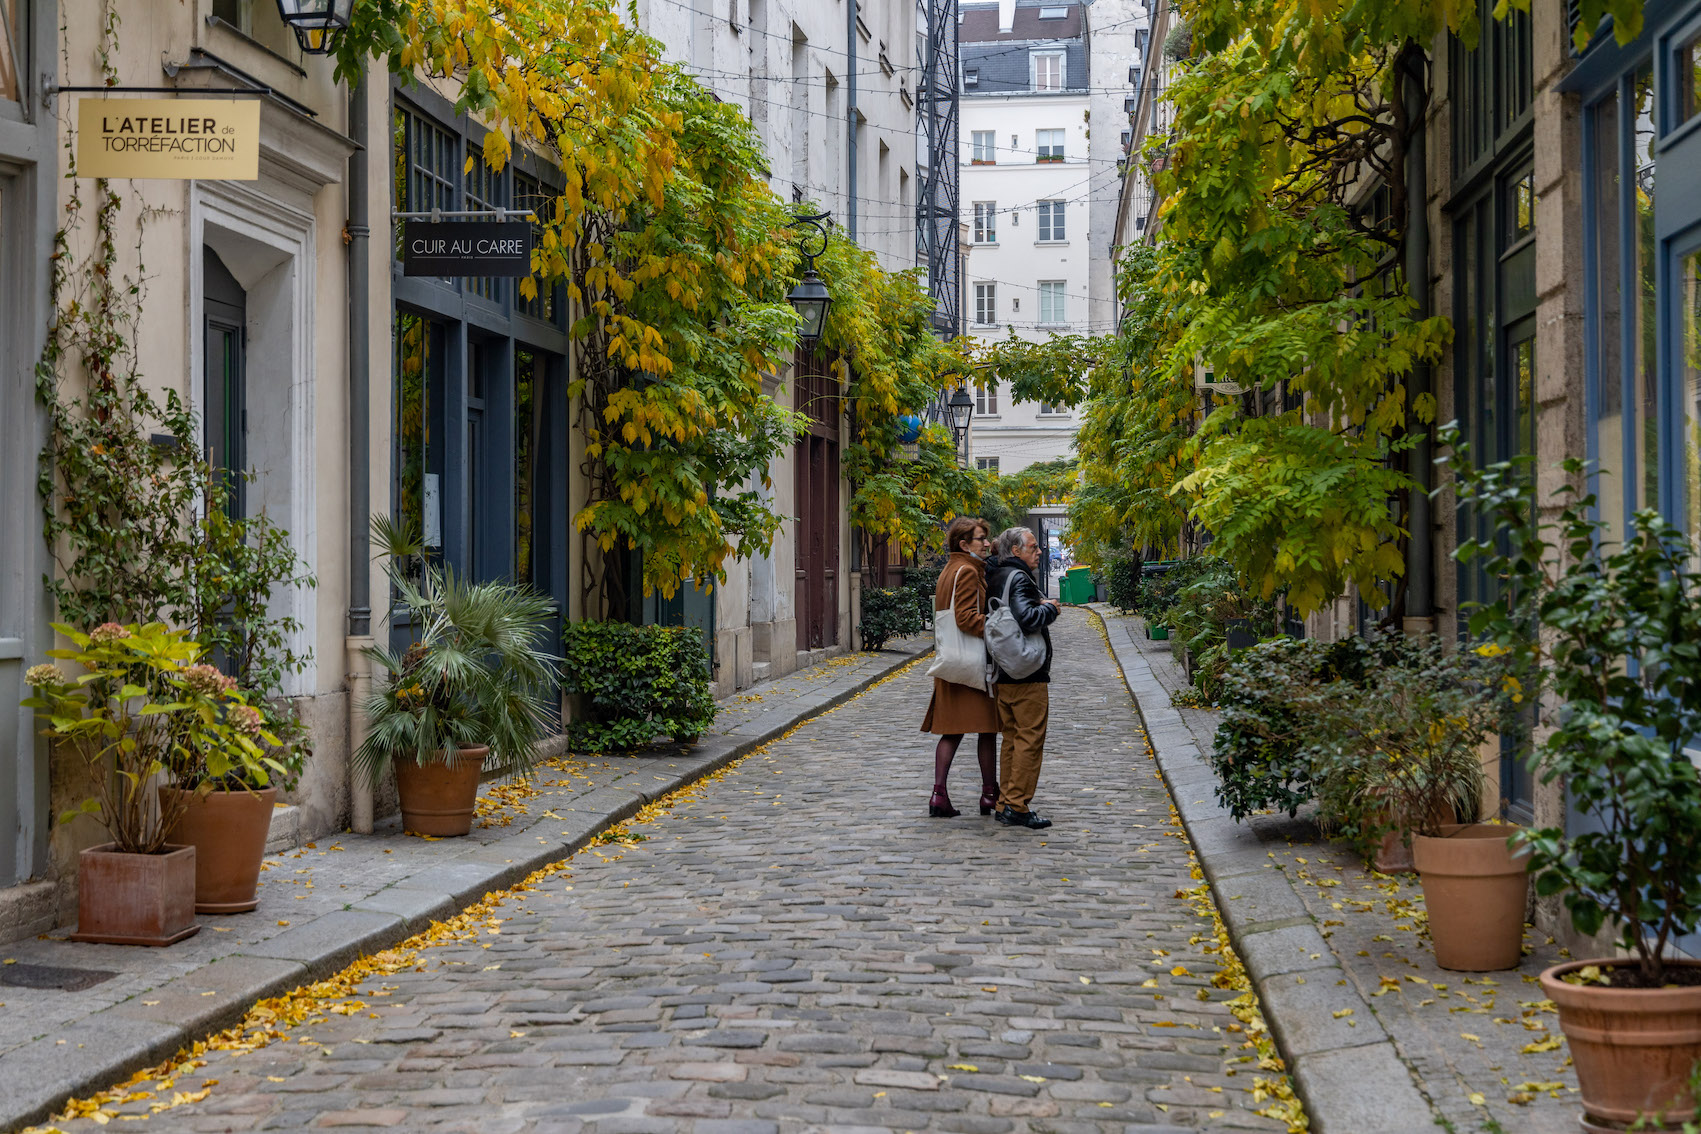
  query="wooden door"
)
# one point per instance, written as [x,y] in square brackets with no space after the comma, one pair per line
[816,486]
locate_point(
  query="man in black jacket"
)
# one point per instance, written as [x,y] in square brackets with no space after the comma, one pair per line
[1024,703]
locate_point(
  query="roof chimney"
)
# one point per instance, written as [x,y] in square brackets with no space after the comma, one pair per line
[1006,16]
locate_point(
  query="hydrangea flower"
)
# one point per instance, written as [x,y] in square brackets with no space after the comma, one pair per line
[40,676]
[108,632]
[246,719]
[208,680]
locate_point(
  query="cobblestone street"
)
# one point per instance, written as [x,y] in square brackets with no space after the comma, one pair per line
[795,946]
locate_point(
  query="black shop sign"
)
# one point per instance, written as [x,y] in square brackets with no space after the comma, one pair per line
[467,248]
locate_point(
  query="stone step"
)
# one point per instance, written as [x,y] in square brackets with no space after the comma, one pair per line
[285,833]
[759,671]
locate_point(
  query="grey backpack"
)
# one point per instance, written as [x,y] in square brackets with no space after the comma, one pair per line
[1017,654]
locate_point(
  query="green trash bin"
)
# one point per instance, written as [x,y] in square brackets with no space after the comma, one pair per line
[1076,585]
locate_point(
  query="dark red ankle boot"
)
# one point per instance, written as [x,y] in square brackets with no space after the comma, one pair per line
[939,805]
[988,799]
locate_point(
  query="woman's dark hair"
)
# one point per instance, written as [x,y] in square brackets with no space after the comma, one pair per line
[962,528]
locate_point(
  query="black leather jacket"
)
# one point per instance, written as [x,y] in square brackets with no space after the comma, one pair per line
[1032,611]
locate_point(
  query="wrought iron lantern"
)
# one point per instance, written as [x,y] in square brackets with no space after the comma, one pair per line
[810,297]
[316,22]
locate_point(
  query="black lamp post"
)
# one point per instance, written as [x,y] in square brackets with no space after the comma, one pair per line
[314,22]
[810,296]
[960,411]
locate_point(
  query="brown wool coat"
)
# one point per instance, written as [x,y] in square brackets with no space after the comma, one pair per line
[961,595]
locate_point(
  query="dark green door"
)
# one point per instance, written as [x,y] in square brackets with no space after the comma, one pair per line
[224,424]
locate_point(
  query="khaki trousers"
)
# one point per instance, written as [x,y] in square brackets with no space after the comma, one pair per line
[1023,712]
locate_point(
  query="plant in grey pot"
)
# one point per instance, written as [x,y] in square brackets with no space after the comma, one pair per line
[470,688]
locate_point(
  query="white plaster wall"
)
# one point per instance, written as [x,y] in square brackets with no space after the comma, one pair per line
[1113,33]
[281,236]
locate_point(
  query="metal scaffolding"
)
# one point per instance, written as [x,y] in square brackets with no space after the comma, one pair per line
[937,208]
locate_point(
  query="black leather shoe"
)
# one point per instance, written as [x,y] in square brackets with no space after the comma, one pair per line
[1030,819]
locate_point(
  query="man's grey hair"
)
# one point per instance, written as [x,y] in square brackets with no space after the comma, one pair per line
[1011,538]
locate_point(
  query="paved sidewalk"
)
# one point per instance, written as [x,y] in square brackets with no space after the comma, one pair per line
[340,896]
[793,946]
[1322,935]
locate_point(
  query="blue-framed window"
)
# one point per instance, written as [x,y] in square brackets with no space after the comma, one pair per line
[1642,247]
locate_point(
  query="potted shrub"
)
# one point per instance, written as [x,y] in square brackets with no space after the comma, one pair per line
[1396,762]
[1618,627]
[140,707]
[1623,627]
[222,795]
[634,684]
[469,688]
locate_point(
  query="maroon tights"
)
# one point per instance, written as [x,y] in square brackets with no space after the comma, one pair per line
[986,752]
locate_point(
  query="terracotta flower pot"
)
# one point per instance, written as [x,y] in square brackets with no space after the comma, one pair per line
[438,798]
[1394,854]
[228,830]
[1633,1047]
[1475,889]
[135,899]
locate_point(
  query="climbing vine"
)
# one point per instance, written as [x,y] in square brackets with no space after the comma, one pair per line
[677,256]
[892,366]
[138,523]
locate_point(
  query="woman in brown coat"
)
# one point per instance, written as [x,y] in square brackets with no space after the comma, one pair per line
[958,709]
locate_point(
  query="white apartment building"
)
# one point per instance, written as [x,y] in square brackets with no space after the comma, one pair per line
[1026,184]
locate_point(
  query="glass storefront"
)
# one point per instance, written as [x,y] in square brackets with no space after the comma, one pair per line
[480,375]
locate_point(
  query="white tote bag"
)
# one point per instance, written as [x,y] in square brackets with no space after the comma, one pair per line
[958,656]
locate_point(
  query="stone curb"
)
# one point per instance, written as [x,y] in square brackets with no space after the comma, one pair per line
[1336,1060]
[106,1046]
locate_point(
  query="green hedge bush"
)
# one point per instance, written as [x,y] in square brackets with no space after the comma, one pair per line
[1272,739]
[1122,580]
[637,683]
[887,614]
[922,581]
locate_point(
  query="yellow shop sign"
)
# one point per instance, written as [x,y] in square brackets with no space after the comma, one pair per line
[205,139]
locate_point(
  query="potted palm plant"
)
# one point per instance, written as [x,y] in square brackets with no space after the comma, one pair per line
[1617,650]
[468,690]
[140,707]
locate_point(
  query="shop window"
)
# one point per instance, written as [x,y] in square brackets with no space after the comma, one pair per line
[485,189]
[1493,86]
[1688,381]
[1686,69]
[528,423]
[530,193]
[1605,203]
[421,351]
[427,163]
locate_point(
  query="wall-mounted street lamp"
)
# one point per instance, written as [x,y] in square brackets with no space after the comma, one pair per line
[959,412]
[810,296]
[315,22]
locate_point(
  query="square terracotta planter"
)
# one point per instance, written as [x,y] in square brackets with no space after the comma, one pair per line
[135,899]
